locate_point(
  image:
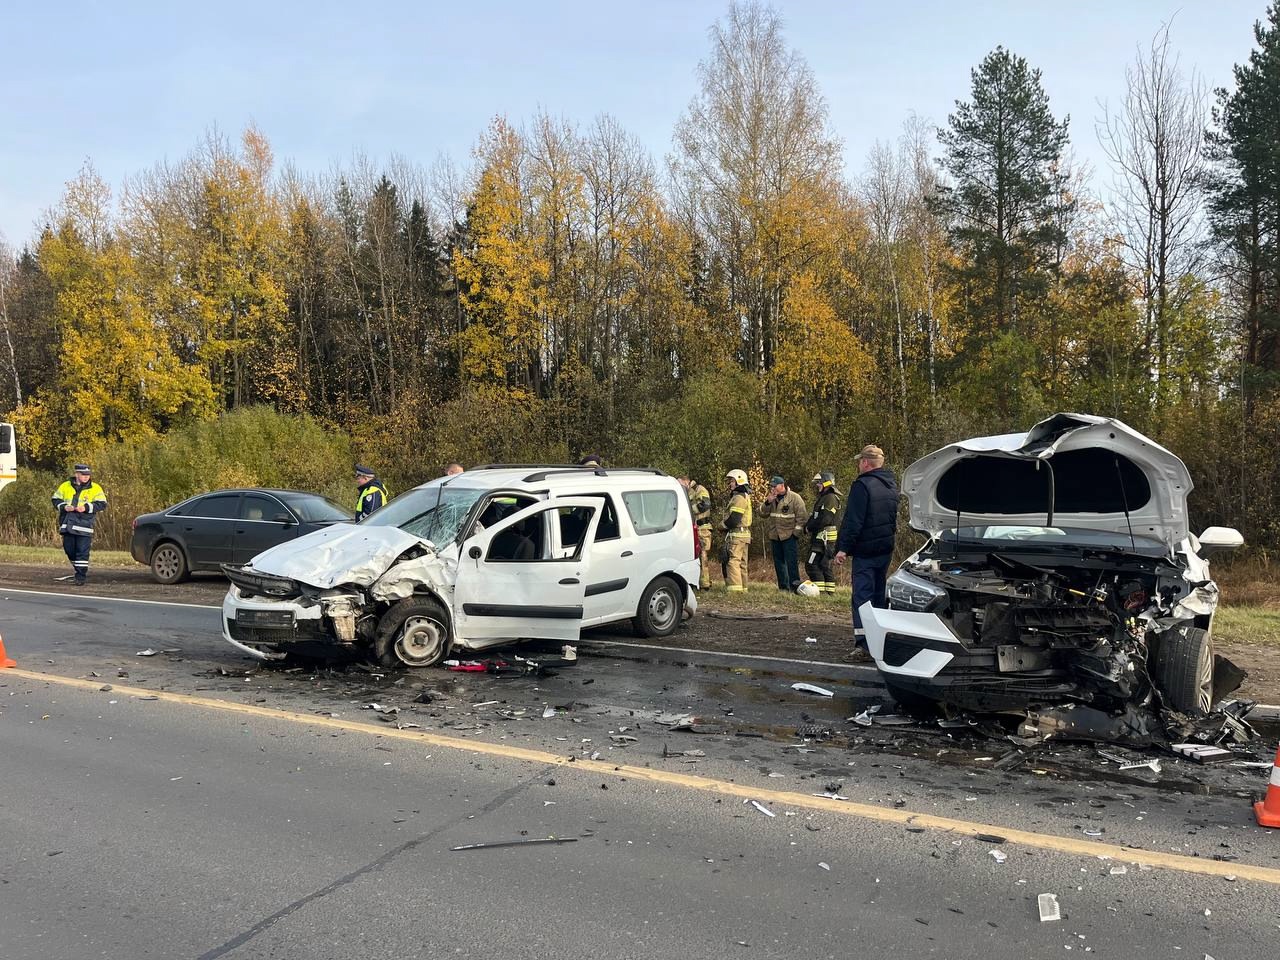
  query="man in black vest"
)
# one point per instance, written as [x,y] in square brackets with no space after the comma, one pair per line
[867,533]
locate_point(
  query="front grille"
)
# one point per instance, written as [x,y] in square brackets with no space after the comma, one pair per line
[271,633]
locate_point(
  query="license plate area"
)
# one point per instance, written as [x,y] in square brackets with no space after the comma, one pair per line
[270,619]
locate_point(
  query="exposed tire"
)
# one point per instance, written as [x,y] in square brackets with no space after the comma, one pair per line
[660,610]
[1183,670]
[168,563]
[414,632]
[910,701]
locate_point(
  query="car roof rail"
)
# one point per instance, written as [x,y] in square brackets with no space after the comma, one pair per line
[597,472]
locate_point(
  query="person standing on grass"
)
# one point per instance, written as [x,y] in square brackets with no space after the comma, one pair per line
[786,510]
[737,531]
[867,535]
[700,505]
[79,501]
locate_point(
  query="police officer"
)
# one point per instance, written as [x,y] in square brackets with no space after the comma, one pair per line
[822,530]
[78,501]
[737,531]
[867,533]
[700,504]
[372,493]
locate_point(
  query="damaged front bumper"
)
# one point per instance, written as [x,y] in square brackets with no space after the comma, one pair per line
[267,629]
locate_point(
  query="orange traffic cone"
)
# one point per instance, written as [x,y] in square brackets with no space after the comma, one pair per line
[1267,811]
[7,661]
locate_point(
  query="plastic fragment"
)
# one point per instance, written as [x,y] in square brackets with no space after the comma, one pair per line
[1049,909]
[999,856]
[146,653]
[824,866]
[763,809]
[812,688]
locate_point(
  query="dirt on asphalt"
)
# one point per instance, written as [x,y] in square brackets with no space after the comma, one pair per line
[786,635]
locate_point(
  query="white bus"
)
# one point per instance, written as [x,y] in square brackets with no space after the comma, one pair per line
[8,455]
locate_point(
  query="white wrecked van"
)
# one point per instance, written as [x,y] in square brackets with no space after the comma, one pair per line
[496,554]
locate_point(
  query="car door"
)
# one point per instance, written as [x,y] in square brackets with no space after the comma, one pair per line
[520,579]
[609,563]
[264,522]
[207,527]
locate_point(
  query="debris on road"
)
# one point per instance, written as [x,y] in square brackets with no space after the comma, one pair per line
[514,843]
[812,688]
[1049,909]
[380,708]
[763,809]
[146,653]
[999,856]
[824,866]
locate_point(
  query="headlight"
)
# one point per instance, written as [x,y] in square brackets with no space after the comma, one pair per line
[909,592]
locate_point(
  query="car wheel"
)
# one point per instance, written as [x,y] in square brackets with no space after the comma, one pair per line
[909,700]
[661,606]
[168,563]
[1183,670]
[414,632]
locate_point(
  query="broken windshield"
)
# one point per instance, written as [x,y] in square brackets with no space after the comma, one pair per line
[433,513]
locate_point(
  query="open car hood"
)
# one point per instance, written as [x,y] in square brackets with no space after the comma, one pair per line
[338,555]
[1093,466]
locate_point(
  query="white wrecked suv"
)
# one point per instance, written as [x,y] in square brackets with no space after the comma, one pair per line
[1060,580]
[483,558]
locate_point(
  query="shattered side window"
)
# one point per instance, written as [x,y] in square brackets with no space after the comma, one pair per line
[433,513]
[652,511]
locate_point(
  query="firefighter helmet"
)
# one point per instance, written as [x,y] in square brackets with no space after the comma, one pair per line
[739,477]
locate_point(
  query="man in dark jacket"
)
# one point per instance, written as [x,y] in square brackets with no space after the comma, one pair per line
[868,531]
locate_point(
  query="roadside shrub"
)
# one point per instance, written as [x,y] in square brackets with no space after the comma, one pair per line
[252,446]
[27,516]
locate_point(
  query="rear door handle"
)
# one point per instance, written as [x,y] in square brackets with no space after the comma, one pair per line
[569,581]
[626,553]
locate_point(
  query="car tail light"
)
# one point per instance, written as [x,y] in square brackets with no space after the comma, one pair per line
[135,523]
[697,547]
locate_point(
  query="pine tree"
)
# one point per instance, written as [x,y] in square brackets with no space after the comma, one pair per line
[1245,198]
[1004,151]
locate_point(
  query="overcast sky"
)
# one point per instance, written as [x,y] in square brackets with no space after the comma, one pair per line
[129,84]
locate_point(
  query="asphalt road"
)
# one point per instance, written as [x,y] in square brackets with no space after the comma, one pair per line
[265,814]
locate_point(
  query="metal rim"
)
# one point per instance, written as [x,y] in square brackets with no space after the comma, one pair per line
[664,608]
[421,642]
[1204,676]
[166,561]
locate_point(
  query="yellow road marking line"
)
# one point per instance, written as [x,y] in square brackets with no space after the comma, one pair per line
[1041,841]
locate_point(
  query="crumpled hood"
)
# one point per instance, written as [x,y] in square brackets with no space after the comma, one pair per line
[1091,468]
[338,555]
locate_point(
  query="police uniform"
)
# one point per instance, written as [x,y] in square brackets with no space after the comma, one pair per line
[372,493]
[737,528]
[822,527]
[79,504]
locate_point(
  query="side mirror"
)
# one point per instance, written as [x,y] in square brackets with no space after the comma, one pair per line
[283,518]
[1219,540]
[474,553]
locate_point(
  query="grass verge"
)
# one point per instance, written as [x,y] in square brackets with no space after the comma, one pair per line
[53,556]
[1247,624]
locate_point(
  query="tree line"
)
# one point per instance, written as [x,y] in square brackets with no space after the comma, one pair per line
[744,301]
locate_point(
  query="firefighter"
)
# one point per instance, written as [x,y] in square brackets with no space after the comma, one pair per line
[700,505]
[78,501]
[372,492]
[737,531]
[822,527]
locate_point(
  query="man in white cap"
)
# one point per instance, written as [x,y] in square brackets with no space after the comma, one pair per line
[78,501]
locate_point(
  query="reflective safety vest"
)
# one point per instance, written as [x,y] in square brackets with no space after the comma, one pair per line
[68,496]
[372,496]
[822,522]
[740,503]
[700,503]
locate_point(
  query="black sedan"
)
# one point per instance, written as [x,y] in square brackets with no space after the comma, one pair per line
[226,526]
